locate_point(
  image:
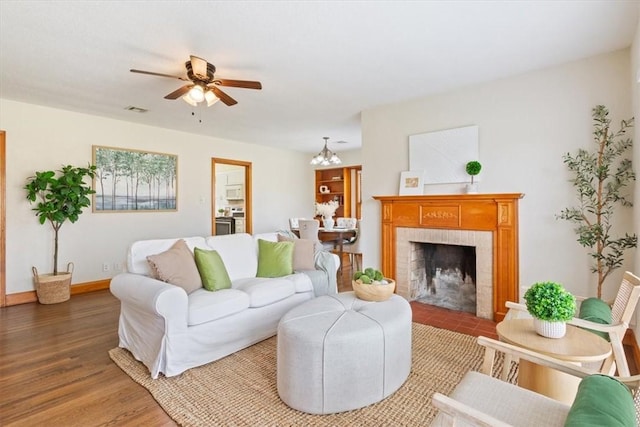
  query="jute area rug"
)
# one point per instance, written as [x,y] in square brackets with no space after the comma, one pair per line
[240,390]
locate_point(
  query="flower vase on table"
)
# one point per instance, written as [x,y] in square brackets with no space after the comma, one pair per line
[328,223]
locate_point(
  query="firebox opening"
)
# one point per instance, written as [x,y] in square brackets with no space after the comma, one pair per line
[447,276]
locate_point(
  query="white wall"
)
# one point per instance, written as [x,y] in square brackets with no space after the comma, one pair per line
[40,138]
[635,90]
[526,124]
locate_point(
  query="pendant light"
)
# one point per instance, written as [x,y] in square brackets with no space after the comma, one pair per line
[326,157]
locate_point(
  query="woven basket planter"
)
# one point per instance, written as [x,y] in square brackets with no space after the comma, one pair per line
[53,289]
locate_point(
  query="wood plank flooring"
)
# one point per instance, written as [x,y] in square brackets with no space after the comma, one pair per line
[55,370]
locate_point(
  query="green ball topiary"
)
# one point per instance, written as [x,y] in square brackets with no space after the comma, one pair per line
[550,301]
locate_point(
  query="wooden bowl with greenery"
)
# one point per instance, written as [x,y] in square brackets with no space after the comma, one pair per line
[371,285]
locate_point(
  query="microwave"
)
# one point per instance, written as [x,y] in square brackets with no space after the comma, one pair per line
[234,192]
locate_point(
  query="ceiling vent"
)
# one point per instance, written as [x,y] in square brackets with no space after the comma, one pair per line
[136,109]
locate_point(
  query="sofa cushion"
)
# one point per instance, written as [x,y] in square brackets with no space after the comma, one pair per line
[205,306]
[212,270]
[602,401]
[263,292]
[238,252]
[301,281]
[275,259]
[138,252]
[303,253]
[176,266]
[597,311]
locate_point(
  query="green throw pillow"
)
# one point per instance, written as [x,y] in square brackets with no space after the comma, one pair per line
[601,401]
[275,259]
[212,270]
[597,311]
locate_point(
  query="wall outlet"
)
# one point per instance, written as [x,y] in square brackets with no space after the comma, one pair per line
[117,266]
[105,266]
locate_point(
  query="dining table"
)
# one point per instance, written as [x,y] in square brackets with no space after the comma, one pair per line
[337,235]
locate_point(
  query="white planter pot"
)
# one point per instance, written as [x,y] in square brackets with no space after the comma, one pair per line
[550,329]
[471,188]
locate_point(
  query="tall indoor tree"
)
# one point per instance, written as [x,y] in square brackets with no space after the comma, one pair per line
[600,180]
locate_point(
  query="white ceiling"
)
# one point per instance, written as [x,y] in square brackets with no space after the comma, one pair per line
[320,62]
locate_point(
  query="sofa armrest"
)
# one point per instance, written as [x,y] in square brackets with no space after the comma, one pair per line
[329,263]
[152,296]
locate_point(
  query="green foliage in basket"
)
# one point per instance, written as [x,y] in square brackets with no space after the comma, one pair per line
[60,196]
[369,276]
[550,301]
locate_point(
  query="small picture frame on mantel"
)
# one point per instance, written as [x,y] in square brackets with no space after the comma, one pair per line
[411,183]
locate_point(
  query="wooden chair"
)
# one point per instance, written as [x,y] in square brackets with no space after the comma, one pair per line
[622,311]
[480,399]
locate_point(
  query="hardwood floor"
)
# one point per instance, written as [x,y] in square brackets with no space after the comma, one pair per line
[55,370]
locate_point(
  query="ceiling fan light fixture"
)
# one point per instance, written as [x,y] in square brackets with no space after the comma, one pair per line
[211,98]
[189,101]
[326,157]
[196,93]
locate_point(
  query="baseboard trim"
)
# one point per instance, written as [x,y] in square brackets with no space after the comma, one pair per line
[77,289]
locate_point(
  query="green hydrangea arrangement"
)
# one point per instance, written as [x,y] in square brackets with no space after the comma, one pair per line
[370,276]
[550,301]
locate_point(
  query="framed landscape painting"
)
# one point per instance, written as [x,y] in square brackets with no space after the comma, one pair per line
[134,180]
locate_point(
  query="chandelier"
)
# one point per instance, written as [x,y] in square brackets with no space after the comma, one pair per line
[326,157]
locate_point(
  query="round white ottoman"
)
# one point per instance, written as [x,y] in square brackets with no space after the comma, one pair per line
[337,352]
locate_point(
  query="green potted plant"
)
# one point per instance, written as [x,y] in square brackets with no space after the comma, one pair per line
[551,306]
[59,198]
[600,179]
[371,285]
[473,168]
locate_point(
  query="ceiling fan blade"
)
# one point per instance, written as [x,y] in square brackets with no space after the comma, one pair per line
[159,74]
[179,92]
[199,66]
[247,84]
[223,96]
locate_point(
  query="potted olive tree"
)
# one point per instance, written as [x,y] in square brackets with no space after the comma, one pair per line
[551,306]
[602,179]
[58,198]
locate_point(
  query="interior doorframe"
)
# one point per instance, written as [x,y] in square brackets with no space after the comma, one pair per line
[3,234]
[248,210]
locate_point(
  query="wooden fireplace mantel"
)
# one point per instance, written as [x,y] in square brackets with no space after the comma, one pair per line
[497,213]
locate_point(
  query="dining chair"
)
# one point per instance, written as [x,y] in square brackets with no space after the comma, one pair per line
[308,229]
[294,223]
[352,247]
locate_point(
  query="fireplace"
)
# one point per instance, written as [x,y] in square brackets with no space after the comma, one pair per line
[444,275]
[486,222]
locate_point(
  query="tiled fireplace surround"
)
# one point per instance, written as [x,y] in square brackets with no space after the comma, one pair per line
[406,260]
[487,221]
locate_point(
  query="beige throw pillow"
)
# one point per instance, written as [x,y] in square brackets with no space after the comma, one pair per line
[303,253]
[177,267]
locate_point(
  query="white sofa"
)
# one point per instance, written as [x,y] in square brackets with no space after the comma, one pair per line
[171,331]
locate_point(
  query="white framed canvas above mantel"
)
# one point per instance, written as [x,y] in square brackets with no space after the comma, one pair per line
[443,155]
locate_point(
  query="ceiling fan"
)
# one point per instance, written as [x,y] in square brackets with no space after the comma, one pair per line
[203,85]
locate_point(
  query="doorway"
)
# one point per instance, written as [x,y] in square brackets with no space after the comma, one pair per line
[231,204]
[3,235]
